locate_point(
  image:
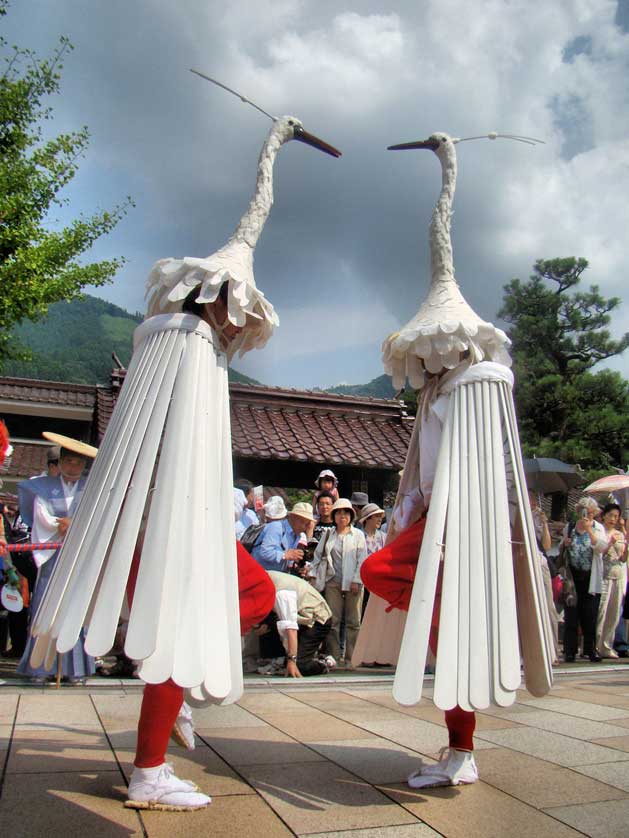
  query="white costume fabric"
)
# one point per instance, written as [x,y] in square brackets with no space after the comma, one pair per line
[166,457]
[492,601]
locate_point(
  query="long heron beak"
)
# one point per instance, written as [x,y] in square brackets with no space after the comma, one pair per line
[315,142]
[433,145]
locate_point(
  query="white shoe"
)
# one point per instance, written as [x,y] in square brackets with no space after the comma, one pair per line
[183,729]
[159,788]
[455,768]
[330,662]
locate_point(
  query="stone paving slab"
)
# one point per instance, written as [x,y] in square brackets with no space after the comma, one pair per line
[598,820]
[257,746]
[227,817]
[377,761]
[323,797]
[568,725]
[539,783]
[414,830]
[49,751]
[416,734]
[553,747]
[580,709]
[479,811]
[72,804]
[615,774]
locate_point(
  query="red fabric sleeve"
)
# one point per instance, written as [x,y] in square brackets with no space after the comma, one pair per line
[390,572]
[256,591]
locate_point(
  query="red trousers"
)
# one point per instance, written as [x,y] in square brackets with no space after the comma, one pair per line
[389,573]
[161,702]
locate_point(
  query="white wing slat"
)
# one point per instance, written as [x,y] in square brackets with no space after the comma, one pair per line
[509,653]
[409,676]
[479,653]
[87,507]
[446,671]
[114,490]
[166,542]
[463,610]
[110,594]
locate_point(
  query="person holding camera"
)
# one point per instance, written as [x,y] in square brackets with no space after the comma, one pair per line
[582,545]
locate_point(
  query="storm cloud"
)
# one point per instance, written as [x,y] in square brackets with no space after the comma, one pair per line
[344,255]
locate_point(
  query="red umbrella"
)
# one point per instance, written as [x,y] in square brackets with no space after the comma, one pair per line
[612,483]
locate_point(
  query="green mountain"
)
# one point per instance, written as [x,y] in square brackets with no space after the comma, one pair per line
[379,388]
[75,340]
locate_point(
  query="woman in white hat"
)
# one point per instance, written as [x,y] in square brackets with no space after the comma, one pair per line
[336,571]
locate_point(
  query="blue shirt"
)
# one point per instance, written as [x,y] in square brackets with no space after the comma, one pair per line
[277,537]
[248,517]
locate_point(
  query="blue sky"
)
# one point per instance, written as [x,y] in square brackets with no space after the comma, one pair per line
[344,255]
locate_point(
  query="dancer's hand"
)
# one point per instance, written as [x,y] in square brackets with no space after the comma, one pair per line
[62,526]
[355,587]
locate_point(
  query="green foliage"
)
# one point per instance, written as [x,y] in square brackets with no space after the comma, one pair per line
[565,410]
[74,342]
[40,265]
[378,388]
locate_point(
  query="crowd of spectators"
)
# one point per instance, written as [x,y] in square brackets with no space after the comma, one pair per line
[314,551]
[585,575]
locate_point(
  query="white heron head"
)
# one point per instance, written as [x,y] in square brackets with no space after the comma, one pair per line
[289,128]
[438,141]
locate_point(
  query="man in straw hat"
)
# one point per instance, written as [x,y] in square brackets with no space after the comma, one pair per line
[47,504]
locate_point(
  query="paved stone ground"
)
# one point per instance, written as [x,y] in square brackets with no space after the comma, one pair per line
[322,758]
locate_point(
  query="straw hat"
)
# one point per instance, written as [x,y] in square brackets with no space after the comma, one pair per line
[369,510]
[74,445]
[303,509]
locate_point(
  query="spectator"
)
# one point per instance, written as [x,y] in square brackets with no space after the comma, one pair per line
[544,543]
[53,456]
[371,520]
[54,502]
[301,621]
[278,546]
[582,544]
[325,482]
[240,504]
[248,514]
[614,556]
[324,512]
[358,501]
[13,530]
[336,569]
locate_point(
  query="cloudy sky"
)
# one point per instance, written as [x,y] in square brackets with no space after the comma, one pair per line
[344,255]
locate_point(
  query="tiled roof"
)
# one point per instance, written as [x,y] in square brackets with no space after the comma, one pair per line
[267,423]
[310,426]
[27,459]
[47,392]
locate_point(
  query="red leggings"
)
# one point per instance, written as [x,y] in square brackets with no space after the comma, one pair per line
[390,574]
[161,702]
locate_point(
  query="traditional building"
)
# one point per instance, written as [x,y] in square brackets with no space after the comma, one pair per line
[280,437]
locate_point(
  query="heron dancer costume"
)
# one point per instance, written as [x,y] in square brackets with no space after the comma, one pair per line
[167,457]
[462,508]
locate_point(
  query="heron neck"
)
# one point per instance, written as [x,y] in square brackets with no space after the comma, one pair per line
[252,222]
[441,261]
